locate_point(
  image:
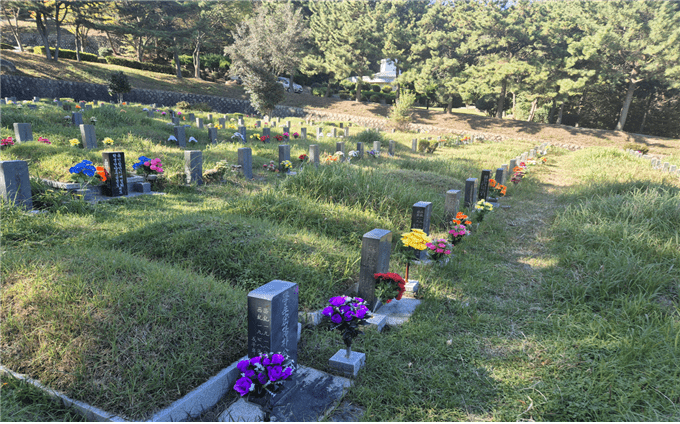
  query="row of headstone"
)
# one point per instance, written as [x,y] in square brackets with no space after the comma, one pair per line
[657,163]
[23,133]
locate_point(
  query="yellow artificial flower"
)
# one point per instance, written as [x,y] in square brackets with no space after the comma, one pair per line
[108,141]
[416,239]
[74,142]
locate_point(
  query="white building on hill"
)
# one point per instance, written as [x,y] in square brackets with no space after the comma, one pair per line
[387,74]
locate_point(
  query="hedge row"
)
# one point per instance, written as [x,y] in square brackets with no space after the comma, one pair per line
[152,67]
[69,54]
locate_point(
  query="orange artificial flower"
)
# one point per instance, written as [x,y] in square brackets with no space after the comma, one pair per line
[468,222]
[78,107]
[517,169]
[461,215]
[492,183]
[456,221]
[102,173]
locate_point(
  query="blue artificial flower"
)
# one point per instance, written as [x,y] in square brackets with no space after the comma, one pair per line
[89,170]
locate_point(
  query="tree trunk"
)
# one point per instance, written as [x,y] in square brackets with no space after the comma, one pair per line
[138,48]
[396,97]
[449,106]
[501,99]
[534,105]
[626,104]
[551,115]
[108,37]
[328,89]
[358,98]
[514,103]
[78,45]
[14,28]
[178,70]
[197,60]
[57,23]
[644,117]
[290,79]
[42,30]
[580,107]
[427,103]
[559,115]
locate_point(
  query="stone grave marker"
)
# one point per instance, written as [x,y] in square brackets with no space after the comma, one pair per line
[77,118]
[88,136]
[287,124]
[319,132]
[266,131]
[391,148]
[240,122]
[67,108]
[3,102]
[506,172]
[258,124]
[451,204]
[314,154]
[286,130]
[511,166]
[81,104]
[500,176]
[210,117]
[414,145]
[360,149]
[199,123]
[36,99]
[376,247]
[32,107]
[245,159]
[334,132]
[181,136]
[89,107]
[149,114]
[242,130]
[346,132]
[523,156]
[376,147]
[673,169]
[212,135]
[191,117]
[59,103]
[420,218]
[303,133]
[273,319]
[340,147]
[393,130]
[15,185]
[284,153]
[532,154]
[484,184]
[23,132]
[116,184]
[666,166]
[193,166]
[223,122]
[470,192]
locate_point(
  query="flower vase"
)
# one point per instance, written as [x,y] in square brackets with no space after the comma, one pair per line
[348,351]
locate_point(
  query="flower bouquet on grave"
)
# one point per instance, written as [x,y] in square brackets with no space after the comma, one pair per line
[296,135]
[108,141]
[482,208]
[192,140]
[85,173]
[6,143]
[389,286]
[496,190]
[416,239]
[460,228]
[285,166]
[286,136]
[264,139]
[346,315]
[279,137]
[438,250]
[74,142]
[374,154]
[147,166]
[263,374]
[255,137]
[353,154]
[44,140]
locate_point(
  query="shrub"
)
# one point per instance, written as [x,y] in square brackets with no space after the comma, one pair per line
[375,88]
[183,105]
[426,146]
[215,61]
[119,84]
[186,60]
[68,54]
[387,89]
[319,91]
[375,98]
[638,147]
[345,96]
[316,85]
[368,137]
[144,66]
[105,51]
[400,113]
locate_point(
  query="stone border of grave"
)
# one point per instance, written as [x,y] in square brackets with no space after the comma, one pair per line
[656,163]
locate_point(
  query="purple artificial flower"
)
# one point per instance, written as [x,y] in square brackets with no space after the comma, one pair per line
[277,359]
[328,310]
[243,365]
[358,300]
[344,309]
[249,374]
[337,301]
[361,312]
[348,316]
[336,318]
[275,373]
[266,361]
[255,360]
[262,378]
[243,385]
[286,373]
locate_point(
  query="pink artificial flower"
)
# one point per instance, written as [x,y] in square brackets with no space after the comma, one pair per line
[440,250]
[447,252]
[147,163]
[442,245]
[430,245]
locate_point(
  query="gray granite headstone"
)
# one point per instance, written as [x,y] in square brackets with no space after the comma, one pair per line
[420,218]
[199,123]
[452,203]
[391,148]
[23,132]
[175,120]
[181,136]
[191,117]
[506,172]
[286,130]
[470,192]
[87,107]
[376,146]
[212,135]
[287,124]
[340,147]
[36,99]
[245,159]
[223,122]
[414,145]
[346,132]
[314,154]
[500,176]
[484,185]
[532,154]
[116,184]
[666,166]
[88,136]
[242,130]
[210,117]
[266,132]
[15,185]
[334,132]
[193,166]
[149,114]
[361,149]
[258,124]
[284,153]
[319,132]
[376,246]
[273,319]
[240,122]
[303,133]
[511,166]
[77,118]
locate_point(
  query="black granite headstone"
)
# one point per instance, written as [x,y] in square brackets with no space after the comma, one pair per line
[266,132]
[470,192]
[77,118]
[376,247]
[420,218]
[116,183]
[484,185]
[273,319]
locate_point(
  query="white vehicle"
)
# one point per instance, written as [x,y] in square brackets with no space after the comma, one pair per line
[297,88]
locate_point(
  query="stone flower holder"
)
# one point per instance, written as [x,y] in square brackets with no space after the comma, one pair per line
[346,366]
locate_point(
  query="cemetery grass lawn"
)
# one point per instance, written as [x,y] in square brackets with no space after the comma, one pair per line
[562,308]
